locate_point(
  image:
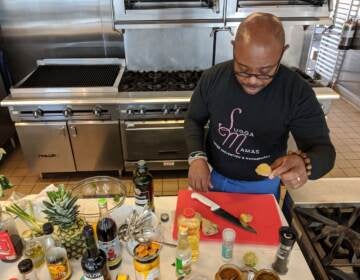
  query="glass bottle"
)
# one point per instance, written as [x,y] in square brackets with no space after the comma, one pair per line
[183,253]
[34,250]
[11,246]
[93,262]
[55,255]
[190,220]
[143,185]
[26,268]
[108,239]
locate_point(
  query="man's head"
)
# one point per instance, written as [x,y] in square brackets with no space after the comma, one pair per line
[258,48]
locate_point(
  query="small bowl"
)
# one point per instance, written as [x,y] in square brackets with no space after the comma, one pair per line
[229,271]
[100,187]
[266,274]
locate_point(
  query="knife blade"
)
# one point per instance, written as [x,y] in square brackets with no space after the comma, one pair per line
[216,209]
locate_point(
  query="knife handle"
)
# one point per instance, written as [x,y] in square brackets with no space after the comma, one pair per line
[213,206]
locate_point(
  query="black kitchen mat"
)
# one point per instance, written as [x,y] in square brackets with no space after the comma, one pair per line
[72,76]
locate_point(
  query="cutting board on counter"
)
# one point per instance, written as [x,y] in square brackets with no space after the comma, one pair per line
[263,208]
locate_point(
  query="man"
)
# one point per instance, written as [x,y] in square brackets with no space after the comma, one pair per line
[252,103]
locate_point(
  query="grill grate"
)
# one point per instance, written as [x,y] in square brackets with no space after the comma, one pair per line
[54,76]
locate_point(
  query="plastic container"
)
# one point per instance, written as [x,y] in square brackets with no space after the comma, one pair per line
[228,238]
[190,220]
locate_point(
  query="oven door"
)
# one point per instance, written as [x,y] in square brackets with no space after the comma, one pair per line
[161,142]
[289,10]
[153,11]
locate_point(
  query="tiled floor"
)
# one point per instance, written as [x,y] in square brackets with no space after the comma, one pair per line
[343,121]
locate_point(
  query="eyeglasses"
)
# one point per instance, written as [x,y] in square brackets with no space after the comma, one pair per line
[261,76]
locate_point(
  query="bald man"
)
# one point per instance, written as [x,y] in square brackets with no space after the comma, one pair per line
[252,103]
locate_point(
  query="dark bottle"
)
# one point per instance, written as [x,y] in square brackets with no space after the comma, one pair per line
[11,246]
[143,184]
[93,261]
[108,239]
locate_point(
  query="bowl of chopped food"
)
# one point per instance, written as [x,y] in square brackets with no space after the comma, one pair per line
[97,187]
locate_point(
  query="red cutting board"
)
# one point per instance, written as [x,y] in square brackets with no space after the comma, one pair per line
[262,207]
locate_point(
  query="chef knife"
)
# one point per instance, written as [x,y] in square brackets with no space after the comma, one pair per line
[215,208]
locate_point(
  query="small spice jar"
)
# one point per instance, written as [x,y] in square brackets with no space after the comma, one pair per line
[26,269]
[228,238]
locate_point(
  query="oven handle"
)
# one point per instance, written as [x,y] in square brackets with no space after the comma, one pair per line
[154,125]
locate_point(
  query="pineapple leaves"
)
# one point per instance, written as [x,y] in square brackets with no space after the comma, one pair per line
[62,209]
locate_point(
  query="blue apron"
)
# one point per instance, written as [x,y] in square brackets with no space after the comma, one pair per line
[221,183]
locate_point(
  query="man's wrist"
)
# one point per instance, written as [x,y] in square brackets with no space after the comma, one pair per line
[197,155]
[306,159]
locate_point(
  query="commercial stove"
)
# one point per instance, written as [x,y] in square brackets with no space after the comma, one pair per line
[326,215]
[152,124]
[74,135]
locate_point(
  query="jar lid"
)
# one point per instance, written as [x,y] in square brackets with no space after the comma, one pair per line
[48,228]
[189,212]
[25,266]
[102,201]
[228,234]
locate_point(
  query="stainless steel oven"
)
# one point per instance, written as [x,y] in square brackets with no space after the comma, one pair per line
[290,10]
[160,142]
[153,11]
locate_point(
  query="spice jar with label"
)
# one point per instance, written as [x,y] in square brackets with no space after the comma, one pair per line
[11,246]
[26,269]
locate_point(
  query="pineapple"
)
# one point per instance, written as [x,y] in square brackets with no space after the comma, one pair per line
[63,212]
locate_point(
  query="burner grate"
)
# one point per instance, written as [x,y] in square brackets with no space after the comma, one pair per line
[335,235]
[54,76]
[159,81]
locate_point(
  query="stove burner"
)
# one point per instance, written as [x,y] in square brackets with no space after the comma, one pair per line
[159,81]
[335,235]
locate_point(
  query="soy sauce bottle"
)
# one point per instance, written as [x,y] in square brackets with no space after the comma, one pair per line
[143,186]
[11,246]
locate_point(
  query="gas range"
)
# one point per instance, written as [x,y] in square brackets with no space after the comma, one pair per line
[329,236]
[157,94]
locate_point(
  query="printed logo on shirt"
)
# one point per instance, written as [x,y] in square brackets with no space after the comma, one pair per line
[233,139]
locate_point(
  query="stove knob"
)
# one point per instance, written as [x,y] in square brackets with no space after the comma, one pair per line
[97,112]
[177,110]
[38,113]
[129,111]
[142,111]
[165,111]
[67,112]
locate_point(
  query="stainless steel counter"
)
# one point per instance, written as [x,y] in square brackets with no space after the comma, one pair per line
[131,98]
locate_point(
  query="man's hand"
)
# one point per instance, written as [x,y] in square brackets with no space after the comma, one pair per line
[291,170]
[199,175]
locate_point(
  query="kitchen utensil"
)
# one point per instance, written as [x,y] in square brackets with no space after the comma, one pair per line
[215,208]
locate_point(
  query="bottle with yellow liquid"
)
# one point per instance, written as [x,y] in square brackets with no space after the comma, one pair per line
[191,221]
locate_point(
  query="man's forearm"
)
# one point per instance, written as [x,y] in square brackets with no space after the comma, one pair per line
[194,135]
[322,160]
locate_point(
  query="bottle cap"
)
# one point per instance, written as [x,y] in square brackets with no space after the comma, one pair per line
[102,201]
[189,212]
[48,228]
[183,229]
[164,217]
[25,266]
[88,231]
[228,234]
[141,163]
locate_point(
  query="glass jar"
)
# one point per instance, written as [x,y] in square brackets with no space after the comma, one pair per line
[11,246]
[34,249]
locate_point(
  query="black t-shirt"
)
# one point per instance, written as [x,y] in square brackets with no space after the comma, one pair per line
[246,130]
